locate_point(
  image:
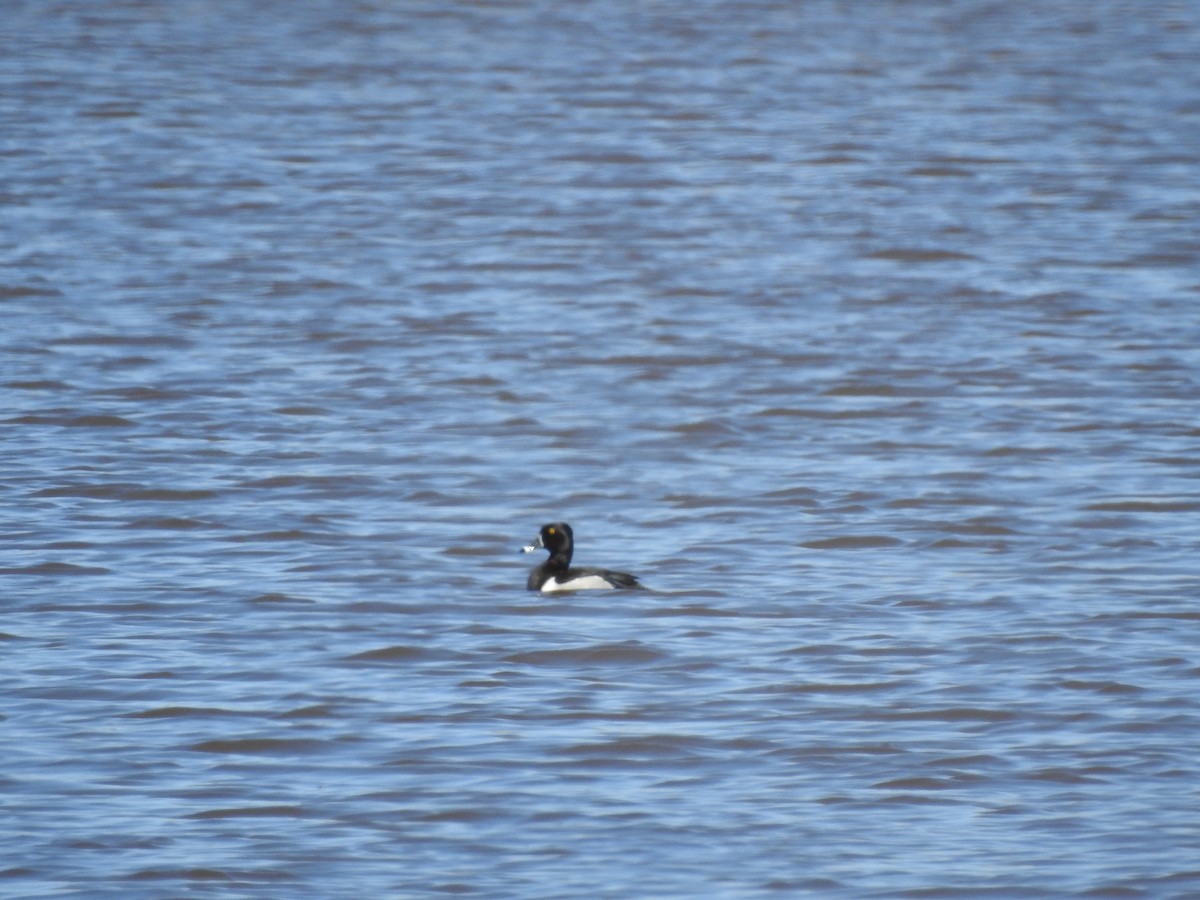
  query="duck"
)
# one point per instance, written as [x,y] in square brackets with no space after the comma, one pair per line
[556,573]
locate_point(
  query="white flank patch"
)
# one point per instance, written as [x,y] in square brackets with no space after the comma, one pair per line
[586,583]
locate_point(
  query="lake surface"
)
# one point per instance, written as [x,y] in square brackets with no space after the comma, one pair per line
[866,334]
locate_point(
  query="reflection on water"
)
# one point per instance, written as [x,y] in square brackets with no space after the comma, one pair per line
[864,337]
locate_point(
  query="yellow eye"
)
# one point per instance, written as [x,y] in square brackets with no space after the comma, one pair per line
[549,531]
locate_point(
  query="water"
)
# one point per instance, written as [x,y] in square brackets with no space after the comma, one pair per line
[865,334]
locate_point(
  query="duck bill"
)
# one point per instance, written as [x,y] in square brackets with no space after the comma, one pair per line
[536,545]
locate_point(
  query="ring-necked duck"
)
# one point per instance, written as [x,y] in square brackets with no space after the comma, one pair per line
[556,574]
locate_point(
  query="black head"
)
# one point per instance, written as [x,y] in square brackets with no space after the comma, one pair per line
[556,537]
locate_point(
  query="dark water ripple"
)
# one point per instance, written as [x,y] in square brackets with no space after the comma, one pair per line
[865,334]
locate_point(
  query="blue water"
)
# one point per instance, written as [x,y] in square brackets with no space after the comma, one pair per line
[866,335]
